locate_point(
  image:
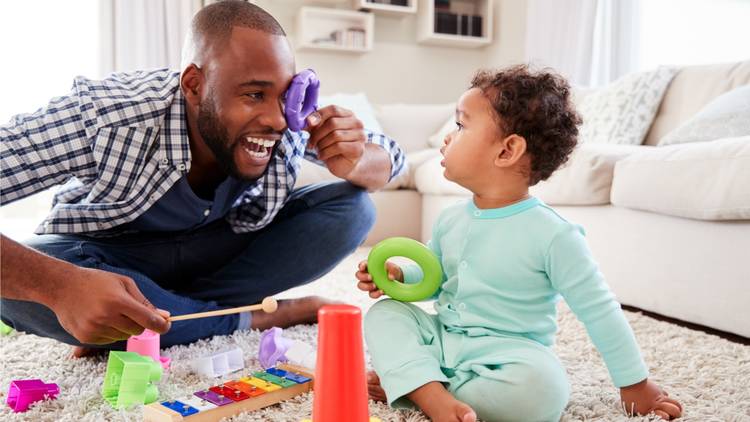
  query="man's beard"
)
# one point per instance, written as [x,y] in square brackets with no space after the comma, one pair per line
[215,135]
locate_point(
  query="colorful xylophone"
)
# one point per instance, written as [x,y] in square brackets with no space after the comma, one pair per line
[261,389]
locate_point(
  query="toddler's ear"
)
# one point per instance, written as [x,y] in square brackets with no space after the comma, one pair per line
[510,150]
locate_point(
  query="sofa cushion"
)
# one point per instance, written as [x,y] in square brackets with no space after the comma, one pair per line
[429,179]
[357,104]
[702,180]
[727,116]
[436,139]
[313,173]
[691,89]
[586,178]
[622,112]
[412,125]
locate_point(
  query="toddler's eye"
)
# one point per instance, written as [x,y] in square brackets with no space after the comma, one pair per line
[459,126]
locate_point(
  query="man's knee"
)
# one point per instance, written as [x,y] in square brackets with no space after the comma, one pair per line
[354,212]
[360,210]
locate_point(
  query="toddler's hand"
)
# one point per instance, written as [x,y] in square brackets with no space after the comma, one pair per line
[365,282]
[646,397]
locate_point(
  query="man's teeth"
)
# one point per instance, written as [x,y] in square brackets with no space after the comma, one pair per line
[262,142]
[260,154]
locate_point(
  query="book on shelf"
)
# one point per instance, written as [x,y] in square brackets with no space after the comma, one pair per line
[346,38]
[455,24]
[390,2]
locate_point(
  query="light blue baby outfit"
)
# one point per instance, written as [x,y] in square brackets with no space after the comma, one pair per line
[504,270]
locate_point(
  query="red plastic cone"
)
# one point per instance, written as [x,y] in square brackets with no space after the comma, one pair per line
[340,383]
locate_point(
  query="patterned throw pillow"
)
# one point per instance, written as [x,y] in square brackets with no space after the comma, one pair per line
[622,112]
[728,115]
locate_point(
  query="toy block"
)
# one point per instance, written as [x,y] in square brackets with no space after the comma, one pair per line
[275,348]
[22,393]
[207,411]
[129,379]
[5,329]
[219,364]
[340,380]
[147,344]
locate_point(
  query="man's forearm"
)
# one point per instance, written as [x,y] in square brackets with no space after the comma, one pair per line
[373,170]
[26,274]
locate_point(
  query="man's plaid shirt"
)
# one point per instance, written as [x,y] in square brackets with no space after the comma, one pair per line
[118,145]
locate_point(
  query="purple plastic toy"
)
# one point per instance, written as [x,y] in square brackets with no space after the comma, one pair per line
[272,347]
[23,393]
[301,99]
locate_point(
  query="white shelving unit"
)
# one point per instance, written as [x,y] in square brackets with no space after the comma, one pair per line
[336,30]
[427,32]
[385,7]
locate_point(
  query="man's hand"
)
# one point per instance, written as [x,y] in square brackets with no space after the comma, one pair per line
[99,307]
[646,397]
[365,282]
[339,137]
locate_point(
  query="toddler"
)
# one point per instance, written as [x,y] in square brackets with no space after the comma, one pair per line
[507,258]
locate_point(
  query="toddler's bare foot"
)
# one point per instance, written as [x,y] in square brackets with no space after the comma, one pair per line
[374,390]
[440,405]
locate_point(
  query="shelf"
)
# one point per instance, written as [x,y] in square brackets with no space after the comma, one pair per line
[336,30]
[467,16]
[387,7]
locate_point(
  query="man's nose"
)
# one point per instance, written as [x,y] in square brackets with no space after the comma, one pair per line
[273,117]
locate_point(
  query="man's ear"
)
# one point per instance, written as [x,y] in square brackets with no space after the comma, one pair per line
[511,149]
[191,83]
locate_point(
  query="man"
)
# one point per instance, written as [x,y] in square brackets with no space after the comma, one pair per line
[178,193]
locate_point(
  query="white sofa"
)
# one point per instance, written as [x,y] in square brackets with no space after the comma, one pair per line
[662,221]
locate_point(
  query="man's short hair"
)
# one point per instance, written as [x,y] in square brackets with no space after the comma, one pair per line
[213,25]
[217,19]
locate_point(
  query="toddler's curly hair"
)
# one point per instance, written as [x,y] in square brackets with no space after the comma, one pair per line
[536,105]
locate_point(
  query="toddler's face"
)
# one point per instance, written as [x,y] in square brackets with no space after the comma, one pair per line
[468,149]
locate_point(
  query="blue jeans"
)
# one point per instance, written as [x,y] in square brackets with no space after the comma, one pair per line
[212,267]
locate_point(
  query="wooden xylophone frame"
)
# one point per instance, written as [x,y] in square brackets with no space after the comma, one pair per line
[157,412]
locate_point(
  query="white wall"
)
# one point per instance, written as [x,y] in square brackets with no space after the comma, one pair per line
[398,69]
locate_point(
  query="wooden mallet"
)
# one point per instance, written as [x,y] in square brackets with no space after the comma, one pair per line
[268,305]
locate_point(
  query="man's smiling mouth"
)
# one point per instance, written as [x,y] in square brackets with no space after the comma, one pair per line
[258,147]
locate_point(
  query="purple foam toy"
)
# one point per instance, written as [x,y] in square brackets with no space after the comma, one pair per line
[272,347]
[301,99]
[22,393]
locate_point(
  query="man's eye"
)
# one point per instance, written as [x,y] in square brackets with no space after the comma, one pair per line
[258,96]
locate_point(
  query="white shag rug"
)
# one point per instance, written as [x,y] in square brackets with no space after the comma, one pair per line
[709,375]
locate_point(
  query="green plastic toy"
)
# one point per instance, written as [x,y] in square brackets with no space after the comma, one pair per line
[417,252]
[129,379]
[4,329]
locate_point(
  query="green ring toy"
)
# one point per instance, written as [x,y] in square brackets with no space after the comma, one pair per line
[417,252]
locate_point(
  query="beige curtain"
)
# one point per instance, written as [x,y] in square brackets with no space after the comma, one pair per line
[144,34]
[591,42]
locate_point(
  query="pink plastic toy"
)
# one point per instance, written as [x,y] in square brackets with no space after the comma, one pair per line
[23,393]
[147,344]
